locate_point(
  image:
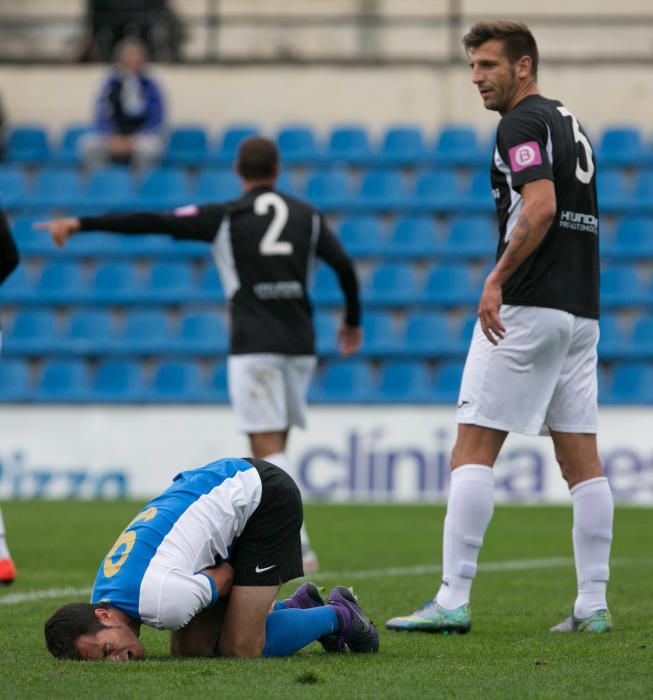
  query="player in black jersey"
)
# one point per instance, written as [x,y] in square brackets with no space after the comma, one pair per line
[531,366]
[264,244]
[8,263]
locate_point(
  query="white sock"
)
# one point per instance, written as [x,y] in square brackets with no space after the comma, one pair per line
[592,536]
[281,460]
[4,551]
[469,511]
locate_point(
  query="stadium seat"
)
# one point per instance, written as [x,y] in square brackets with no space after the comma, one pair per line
[109,188]
[115,283]
[32,242]
[57,188]
[18,287]
[202,333]
[641,342]
[632,382]
[93,245]
[218,390]
[427,334]
[403,146]
[286,184]
[118,381]
[14,191]
[64,381]
[60,283]
[392,284]
[447,382]
[210,285]
[642,199]
[226,149]
[620,286]
[361,236]
[471,237]
[67,150]
[622,146]
[216,185]
[328,190]
[14,381]
[168,283]
[298,145]
[145,332]
[187,145]
[450,284]
[349,144]
[612,190]
[458,145]
[613,342]
[176,381]
[404,381]
[344,381]
[437,191]
[382,191]
[380,338]
[28,144]
[163,188]
[325,289]
[633,238]
[32,333]
[414,237]
[89,332]
[326,333]
[479,198]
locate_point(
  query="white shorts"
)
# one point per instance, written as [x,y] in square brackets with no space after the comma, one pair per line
[541,375]
[268,391]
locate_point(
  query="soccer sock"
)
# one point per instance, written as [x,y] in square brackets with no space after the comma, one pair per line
[592,536]
[4,550]
[469,510]
[287,631]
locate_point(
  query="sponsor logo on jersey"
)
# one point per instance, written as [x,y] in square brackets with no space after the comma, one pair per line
[577,221]
[525,155]
[279,290]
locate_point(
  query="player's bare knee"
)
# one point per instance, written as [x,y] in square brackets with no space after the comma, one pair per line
[242,648]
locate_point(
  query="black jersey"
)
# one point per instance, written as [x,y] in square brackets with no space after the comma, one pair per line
[264,245]
[539,139]
[8,250]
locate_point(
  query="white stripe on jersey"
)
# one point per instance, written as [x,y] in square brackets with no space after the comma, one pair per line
[223,255]
[516,201]
[171,593]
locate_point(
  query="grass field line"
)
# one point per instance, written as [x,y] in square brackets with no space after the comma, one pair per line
[496,566]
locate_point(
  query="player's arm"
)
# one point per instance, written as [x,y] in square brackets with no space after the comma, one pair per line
[186,223]
[8,252]
[535,219]
[329,249]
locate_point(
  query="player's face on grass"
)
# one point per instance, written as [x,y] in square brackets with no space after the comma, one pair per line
[494,75]
[116,642]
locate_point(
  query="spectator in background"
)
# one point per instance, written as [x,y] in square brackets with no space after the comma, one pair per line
[129,113]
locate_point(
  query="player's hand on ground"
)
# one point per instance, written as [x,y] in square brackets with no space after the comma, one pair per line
[488,311]
[60,229]
[223,576]
[350,339]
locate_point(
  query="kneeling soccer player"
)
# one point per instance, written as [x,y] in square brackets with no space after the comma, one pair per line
[169,569]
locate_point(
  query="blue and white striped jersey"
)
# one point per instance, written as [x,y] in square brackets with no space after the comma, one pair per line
[152,571]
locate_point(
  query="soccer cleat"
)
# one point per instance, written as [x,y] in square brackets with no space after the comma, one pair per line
[7,571]
[600,621]
[309,560]
[357,631]
[432,617]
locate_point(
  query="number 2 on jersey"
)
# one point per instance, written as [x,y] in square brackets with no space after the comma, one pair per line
[128,539]
[270,243]
[585,176]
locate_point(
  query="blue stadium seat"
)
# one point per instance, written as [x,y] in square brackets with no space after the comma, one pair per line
[226,150]
[33,242]
[64,381]
[118,381]
[361,236]
[14,381]
[633,238]
[203,333]
[465,333]
[163,188]
[471,237]
[218,390]
[383,190]
[28,144]
[94,245]
[18,287]
[613,342]
[115,283]
[57,188]
[329,190]
[414,237]
[326,333]
[642,200]
[298,145]
[621,286]
[612,190]
[210,287]
[60,283]
[479,198]
[169,283]
[623,146]
[217,184]
[632,382]
[427,334]
[344,381]
[349,144]
[380,338]
[392,284]
[89,332]
[109,188]
[286,184]
[176,381]
[447,382]
[438,191]
[14,191]
[641,342]
[404,381]
[187,145]
[403,146]
[450,284]
[145,332]
[32,333]
[67,151]
[325,289]
[459,145]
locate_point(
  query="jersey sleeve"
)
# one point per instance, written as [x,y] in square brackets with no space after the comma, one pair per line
[190,223]
[180,597]
[8,251]
[522,144]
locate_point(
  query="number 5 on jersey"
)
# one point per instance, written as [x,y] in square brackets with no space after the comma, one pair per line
[585,176]
[270,243]
[127,539]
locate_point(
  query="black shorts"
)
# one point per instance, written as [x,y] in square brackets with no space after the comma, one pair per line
[269,550]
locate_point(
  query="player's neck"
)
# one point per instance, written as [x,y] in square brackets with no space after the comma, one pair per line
[249,185]
[522,92]
[129,621]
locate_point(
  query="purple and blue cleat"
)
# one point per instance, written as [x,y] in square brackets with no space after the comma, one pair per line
[309,595]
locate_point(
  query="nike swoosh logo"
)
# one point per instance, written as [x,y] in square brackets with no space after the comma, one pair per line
[462,403]
[258,569]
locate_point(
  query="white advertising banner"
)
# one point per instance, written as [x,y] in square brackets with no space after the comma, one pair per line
[362,453]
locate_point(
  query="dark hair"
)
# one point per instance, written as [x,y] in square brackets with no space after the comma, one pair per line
[516,37]
[258,158]
[67,624]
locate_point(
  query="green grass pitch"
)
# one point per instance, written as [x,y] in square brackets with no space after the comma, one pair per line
[526,583]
